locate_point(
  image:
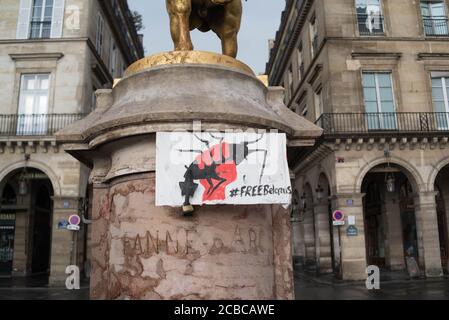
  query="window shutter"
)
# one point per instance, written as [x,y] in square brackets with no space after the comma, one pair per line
[23,24]
[57,19]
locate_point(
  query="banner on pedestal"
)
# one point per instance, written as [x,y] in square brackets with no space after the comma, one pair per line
[222,168]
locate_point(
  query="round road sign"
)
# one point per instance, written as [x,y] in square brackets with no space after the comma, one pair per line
[338,215]
[74,220]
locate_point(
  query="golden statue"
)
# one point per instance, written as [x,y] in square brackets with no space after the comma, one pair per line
[221,16]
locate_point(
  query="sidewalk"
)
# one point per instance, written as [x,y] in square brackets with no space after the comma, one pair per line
[36,288]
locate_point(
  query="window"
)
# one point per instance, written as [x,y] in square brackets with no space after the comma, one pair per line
[99,35]
[94,98]
[369,17]
[440,94]
[302,110]
[113,58]
[33,104]
[379,100]
[290,81]
[313,36]
[319,106]
[41,17]
[300,62]
[434,18]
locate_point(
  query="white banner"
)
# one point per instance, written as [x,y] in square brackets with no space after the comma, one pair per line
[221,168]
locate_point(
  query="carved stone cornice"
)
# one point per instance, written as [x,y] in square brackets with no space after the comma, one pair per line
[370,143]
[377,55]
[36,56]
[29,145]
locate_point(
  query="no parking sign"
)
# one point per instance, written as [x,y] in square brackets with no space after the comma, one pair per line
[339,218]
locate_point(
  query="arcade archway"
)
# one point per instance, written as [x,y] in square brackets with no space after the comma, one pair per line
[442,203]
[25,223]
[389,217]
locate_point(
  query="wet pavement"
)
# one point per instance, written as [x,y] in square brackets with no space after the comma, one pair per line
[36,288]
[307,287]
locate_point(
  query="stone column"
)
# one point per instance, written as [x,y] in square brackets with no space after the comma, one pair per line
[322,238]
[445,194]
[100,243]
[427,232]
[394,244]
[309,238]
[283,264]
[353,249]
[22,250]
[63,241]
[298,241]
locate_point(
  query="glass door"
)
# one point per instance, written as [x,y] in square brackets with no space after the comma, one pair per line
[33,104]
[440,94]
[379,101]
[434,18]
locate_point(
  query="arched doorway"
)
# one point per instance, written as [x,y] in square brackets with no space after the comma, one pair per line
[27,207]
[442,202]
[389,217]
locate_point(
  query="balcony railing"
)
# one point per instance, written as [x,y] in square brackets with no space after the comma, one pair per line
[392,122]
[436,26]
[35,124]
[370,25]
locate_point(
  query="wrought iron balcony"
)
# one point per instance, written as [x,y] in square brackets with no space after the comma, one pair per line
[436,26]
[371,24]
[35,124]
[384,123]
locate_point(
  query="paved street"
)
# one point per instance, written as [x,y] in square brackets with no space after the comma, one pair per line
[37,289]
[311,288]
[306,288]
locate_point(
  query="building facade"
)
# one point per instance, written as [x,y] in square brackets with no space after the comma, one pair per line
[54,55]
[374,74]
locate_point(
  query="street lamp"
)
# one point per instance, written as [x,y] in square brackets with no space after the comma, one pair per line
[319,193]
[390,183]
[303,201]
[23,183]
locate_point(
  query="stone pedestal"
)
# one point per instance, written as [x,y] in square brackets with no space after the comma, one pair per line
[140,251]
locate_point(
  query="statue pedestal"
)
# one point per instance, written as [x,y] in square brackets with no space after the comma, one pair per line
[140,251]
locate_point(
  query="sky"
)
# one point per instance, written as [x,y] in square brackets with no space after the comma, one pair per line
[261,19]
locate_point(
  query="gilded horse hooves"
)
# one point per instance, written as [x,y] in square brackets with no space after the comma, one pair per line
[221,16]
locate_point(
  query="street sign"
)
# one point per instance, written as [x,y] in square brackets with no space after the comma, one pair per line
[351,220]
[338,215]
[352,231]
[74,220]
[338,223]
[74,223]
